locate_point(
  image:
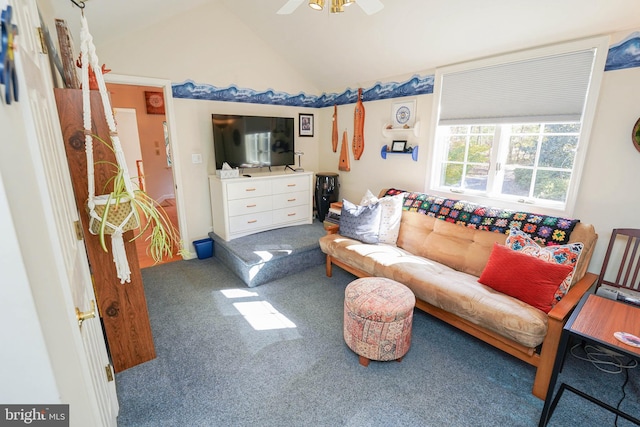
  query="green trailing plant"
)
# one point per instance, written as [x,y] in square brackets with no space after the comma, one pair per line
[164,239]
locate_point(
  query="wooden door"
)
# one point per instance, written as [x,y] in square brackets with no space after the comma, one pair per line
[123,307]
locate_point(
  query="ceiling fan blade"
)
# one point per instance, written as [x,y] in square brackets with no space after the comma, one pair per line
[289,7]
[370,6]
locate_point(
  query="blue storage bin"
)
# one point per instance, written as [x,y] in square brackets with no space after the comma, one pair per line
[204,248]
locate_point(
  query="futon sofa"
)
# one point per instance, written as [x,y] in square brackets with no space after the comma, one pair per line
[444,247]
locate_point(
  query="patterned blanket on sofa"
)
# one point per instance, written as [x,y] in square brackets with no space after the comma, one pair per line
[545,230]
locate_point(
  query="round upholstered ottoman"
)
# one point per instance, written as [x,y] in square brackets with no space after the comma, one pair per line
[378,315]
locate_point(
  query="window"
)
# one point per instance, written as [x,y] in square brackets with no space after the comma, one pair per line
[514,129]
[533,162]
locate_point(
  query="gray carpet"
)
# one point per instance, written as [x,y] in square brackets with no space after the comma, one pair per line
[214,369]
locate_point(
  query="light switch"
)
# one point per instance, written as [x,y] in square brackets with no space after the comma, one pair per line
[196,158]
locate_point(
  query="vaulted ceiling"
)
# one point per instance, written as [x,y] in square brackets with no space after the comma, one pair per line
[343,50]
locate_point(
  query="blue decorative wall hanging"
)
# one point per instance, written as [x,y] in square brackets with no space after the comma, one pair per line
[8,76]
[414,86]
[625,54]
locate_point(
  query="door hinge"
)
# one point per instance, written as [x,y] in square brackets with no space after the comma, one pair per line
[43,44]
[78,228]
[109,373]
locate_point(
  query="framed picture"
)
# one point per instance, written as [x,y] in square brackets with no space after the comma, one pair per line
[403,114]
[154,102]
[398,146]
[306,125]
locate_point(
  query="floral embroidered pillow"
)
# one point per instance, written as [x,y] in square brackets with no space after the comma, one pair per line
[568,254]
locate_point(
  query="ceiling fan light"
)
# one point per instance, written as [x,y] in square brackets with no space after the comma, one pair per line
[316,4]
[337,6]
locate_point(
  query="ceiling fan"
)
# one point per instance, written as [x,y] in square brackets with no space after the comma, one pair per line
[368,6]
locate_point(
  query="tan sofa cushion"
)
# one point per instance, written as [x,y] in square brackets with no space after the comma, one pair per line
[461,248]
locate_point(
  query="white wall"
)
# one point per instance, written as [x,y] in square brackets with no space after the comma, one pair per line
[25,367]
[208,45]
[229,53]
[372,172]
[608,197]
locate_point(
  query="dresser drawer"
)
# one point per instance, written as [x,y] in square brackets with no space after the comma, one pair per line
[249,222]
[291,199]
[250,205]
[290,184]
[249,188]
[291,214]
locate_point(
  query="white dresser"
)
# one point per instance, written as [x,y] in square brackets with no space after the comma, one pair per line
[242,206]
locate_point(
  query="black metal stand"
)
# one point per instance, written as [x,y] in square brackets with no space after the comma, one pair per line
[591,399]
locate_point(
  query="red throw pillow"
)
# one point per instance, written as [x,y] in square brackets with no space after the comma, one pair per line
[524,277]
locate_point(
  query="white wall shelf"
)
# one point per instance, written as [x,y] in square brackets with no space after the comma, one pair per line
[396,132]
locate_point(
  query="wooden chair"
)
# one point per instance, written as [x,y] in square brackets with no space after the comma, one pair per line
[623,253]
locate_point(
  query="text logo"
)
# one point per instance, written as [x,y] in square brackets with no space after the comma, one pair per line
[34,415]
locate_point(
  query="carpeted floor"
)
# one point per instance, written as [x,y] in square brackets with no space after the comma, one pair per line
[213,368]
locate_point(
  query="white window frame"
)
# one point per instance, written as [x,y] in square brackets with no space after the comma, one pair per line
[601,45]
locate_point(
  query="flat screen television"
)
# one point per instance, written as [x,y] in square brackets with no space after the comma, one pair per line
[253,141]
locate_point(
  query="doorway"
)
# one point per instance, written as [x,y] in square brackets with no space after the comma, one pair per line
[144,121]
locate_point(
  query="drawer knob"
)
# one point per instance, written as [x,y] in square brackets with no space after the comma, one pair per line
[252,221]
[291,214]
[250,189]
[291,200]
[291,185]
[251,206]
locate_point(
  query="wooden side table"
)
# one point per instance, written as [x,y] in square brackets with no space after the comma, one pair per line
[594,320]
[331,228]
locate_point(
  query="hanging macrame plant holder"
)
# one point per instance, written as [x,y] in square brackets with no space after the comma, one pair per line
[112,213]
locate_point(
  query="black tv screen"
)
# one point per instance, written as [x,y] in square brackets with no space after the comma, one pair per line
[253,141]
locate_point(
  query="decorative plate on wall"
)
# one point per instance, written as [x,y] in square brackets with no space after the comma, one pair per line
[403,114]
[635,135]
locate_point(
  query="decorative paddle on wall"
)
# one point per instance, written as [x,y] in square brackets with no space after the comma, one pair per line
[358,128]
[344,154]
[334,132]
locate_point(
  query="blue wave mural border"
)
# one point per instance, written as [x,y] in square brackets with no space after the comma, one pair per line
[416,85]
[625,54]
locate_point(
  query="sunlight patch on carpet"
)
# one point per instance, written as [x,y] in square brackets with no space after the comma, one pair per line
[263,316]
[238,293]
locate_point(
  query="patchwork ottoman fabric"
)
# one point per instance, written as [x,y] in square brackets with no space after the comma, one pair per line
[378,315]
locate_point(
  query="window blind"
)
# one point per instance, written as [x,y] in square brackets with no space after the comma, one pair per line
[543,89]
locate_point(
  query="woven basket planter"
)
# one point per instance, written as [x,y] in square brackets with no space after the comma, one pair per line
[117,215]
